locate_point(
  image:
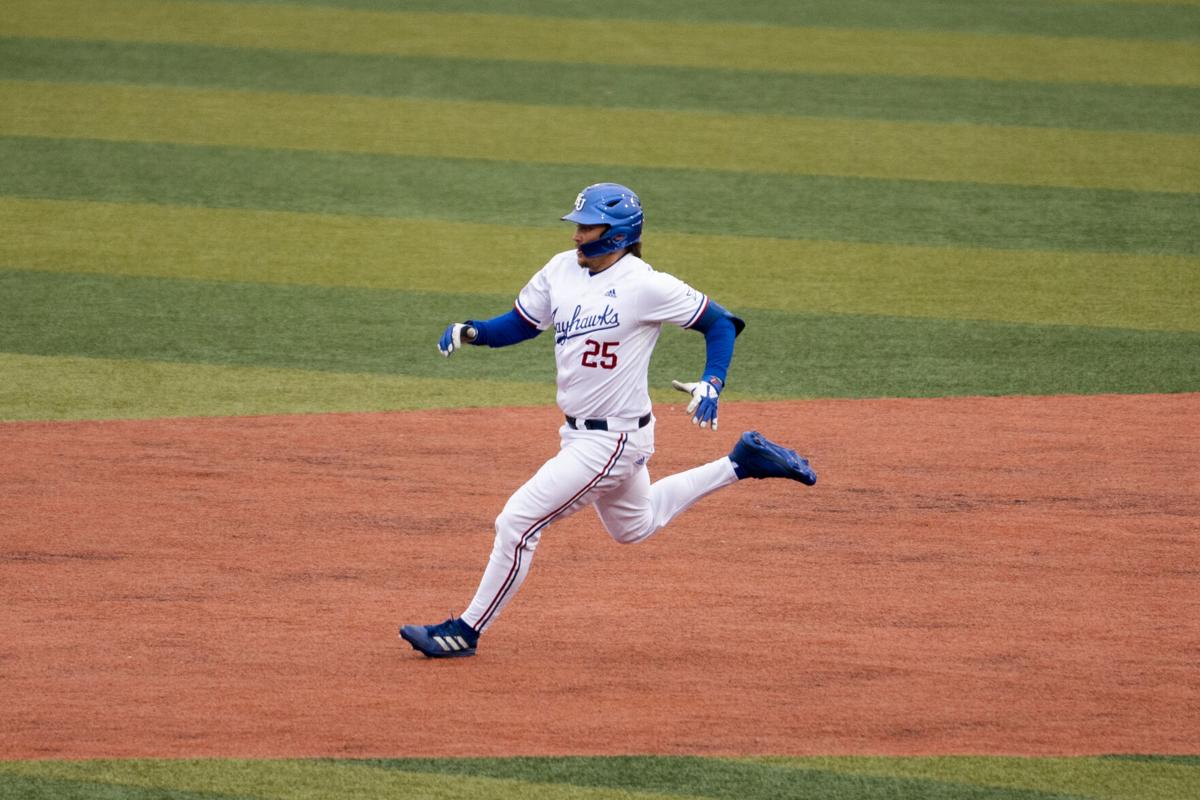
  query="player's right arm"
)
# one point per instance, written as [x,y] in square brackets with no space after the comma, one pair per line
[529,316]
[501,331]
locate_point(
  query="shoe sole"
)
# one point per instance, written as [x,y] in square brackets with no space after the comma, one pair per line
[417,640]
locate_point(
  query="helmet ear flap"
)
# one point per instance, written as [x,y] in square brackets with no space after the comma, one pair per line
[610,242]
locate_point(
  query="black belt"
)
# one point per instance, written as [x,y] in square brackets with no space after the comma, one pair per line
[602,424]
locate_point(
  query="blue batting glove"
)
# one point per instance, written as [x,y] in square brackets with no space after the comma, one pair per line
[451,339]
[703,406]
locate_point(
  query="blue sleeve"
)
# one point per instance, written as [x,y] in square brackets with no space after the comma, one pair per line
[713,313]
[720,328]
[501,331]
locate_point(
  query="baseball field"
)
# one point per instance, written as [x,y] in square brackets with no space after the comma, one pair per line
[963,235]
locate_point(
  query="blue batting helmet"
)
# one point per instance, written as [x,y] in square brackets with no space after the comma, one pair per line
[613,205]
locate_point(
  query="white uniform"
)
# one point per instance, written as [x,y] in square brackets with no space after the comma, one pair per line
[605,328]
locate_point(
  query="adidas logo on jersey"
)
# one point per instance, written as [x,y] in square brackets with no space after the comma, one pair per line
[611,293]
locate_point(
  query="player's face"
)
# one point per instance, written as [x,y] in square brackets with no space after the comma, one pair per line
[583,235]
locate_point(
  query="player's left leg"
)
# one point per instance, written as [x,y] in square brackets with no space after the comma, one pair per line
[638,508]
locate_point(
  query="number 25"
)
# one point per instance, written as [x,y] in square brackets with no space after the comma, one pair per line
[608,359]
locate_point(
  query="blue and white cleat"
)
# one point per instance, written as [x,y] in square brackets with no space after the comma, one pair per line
[450,639]
[756,456]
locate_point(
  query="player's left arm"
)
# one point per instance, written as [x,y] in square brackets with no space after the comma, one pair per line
[720,329]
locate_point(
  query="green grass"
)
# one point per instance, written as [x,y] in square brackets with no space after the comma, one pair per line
[551,40]
[1080,106]
[681,201]
[846,778]
[767,144]
[1074,18]
[387,333]
[68,388]
[1039,287]
[223,207]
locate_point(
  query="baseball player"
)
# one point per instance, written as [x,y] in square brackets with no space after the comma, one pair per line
[606,307]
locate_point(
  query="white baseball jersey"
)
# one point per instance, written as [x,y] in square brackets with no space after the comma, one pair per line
[605,328]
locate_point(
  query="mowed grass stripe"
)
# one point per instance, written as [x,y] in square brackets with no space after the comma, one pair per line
[1100,778]
[745,779]
[781,354]
[598,41]
[1146,292]
[276,780]
[39,788]
[1083,106]
[681,201]
[551,134]
[1087,106]
[1162,19]
[292,327]
[66,387]
[598,778]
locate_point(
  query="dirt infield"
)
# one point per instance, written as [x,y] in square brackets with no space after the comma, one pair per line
[1017,575]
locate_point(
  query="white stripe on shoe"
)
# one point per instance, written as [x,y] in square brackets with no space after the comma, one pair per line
[446,643]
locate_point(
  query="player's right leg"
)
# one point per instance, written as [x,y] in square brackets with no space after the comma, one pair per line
[588,463]
[562,486]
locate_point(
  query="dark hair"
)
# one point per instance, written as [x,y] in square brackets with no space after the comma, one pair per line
[636,249]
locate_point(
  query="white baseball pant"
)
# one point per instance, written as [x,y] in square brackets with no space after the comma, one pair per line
[600,468]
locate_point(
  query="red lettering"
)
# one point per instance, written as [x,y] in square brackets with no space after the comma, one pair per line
[605,351]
